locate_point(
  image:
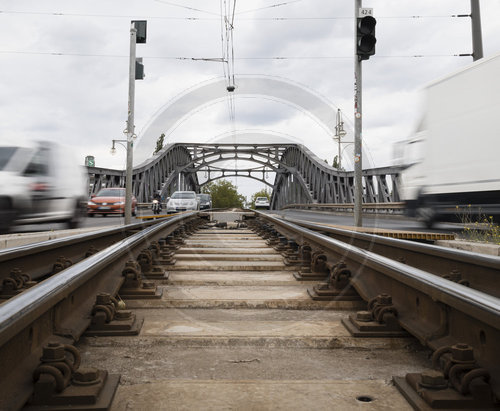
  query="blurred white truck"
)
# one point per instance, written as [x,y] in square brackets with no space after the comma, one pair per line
[453,158]
[40,184]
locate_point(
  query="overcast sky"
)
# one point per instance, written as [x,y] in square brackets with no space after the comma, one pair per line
[64,66]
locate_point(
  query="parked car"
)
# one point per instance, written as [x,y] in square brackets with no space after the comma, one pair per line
[205,201]
[41,183]
[262,202]
[182,201]
[109,201]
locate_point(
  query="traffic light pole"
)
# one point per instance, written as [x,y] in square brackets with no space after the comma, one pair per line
[477,40]
[130,127]
[358,179]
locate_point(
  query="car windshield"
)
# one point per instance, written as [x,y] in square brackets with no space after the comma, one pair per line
[5,155]
[111,192]
[261,198]
[186,195]
[14,158]
[203,197]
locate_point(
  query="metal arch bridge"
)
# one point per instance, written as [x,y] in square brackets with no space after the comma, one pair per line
[299,176]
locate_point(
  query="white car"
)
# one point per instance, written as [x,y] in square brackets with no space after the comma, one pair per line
[262,202]
[41,184]
[183,201]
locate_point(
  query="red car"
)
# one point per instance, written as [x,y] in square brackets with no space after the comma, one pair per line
[109,201]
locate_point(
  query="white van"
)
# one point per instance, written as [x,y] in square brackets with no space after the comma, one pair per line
[41,184]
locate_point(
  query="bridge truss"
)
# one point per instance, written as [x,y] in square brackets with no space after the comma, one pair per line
[294,174]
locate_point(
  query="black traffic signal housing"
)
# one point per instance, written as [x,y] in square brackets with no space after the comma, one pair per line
[365,45]
[141,27]
[139,69]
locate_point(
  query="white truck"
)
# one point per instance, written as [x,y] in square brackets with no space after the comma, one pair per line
[41,183]
[453,159]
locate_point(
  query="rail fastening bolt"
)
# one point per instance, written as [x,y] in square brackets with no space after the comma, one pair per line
[433,379]
[462,353]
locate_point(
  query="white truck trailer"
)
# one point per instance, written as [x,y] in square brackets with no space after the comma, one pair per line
[454,157]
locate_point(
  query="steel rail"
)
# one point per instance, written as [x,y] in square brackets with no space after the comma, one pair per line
[37,260]
[481,272]
[58,309]
[437,311]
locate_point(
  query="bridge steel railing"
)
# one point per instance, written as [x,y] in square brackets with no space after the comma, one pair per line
[300,176]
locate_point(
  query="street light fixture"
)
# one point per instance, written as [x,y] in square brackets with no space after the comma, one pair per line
[340,133]
[113,148]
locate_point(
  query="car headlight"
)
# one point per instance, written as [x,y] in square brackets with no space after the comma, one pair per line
[91,203]
[120,203]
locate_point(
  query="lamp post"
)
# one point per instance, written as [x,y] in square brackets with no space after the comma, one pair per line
[339,134]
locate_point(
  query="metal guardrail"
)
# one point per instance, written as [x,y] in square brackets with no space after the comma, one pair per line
[386,208]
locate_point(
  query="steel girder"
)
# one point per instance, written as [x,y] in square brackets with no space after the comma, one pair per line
[300,176]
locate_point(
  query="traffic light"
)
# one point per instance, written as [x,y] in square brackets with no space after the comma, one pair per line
[365,46]
[141,27]
[139,69]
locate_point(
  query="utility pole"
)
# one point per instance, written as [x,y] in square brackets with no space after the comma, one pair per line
[135,26]
[477,40]
[130,126]
[364,47]
[339,134]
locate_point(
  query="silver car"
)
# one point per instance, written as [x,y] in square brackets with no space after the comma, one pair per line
[182,201]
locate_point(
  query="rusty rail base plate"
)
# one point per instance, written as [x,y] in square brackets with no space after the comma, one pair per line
[140,293]
[371,329]
[82,397]
[300,276]
[117,328]
[333,295]
[446,399]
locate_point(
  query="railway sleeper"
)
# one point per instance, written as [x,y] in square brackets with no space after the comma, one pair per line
[454,382]
[60,383]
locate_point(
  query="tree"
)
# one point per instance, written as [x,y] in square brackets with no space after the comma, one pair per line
[335,164]
[261,193]
[224,194]
[159,143]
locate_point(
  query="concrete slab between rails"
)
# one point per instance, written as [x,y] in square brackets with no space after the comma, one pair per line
[229,257]
[225,243]
[233,278]
[475,247]
[221,231]
[230,266]
[221,250]
[269,334]
[275,297]
[19,239]
[235,236]
[260,395]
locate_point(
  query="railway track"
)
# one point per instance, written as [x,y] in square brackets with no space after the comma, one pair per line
[269,315]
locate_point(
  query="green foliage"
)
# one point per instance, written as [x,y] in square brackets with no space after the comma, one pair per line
[335,164]
[159,143]
[261,193]
[477,226]
[224,194]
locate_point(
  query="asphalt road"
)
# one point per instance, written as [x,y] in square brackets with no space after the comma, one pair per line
[389,222]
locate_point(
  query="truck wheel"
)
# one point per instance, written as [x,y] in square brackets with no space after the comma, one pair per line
[78,215]
[426,215]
